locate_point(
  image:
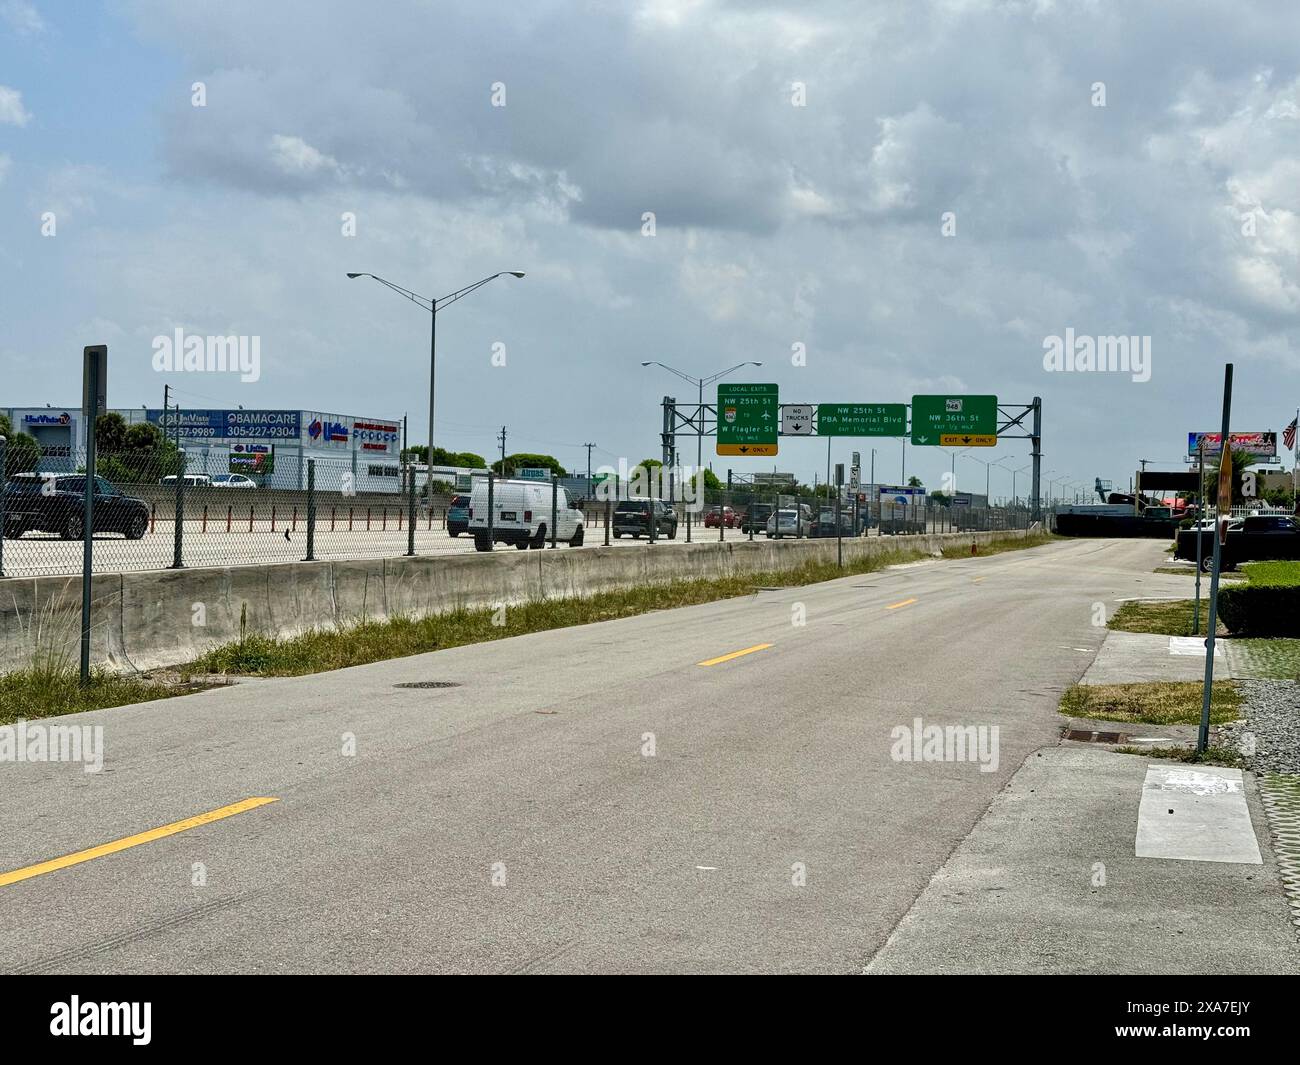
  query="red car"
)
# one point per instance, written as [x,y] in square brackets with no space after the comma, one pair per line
[728,518]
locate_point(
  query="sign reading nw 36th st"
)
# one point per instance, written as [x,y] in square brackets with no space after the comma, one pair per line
[861,419]
[749,419]
[954,417]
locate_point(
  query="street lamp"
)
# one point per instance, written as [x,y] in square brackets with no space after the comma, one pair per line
[433,306]
[700,382]
[987,470]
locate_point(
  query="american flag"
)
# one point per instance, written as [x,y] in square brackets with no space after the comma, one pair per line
[1288,435]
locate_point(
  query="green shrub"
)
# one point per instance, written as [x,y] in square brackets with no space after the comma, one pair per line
[1261,610]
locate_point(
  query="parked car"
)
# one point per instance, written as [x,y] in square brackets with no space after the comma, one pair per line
[458,515]
[231,480]
[726,516]
[632,518]
[755,519]
[1266,536]
[521,515]
[56,503]
[192,480]
[789,521]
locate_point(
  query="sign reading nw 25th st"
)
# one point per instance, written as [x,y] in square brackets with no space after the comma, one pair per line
[862,419]
[934,417]
[749,419]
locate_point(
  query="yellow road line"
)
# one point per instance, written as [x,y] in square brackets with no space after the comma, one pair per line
[905,602]
[54,864]
[734,654]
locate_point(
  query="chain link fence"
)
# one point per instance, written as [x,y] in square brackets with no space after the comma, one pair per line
[151,513]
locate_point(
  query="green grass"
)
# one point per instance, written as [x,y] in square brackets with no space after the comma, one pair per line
[1222,756]
[1158,703]
[1001,544]
[1276,574]
[1166,618]
[1261,659]
[374,641]
[37,692]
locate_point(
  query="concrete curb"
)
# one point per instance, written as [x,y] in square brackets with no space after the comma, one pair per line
[147,620]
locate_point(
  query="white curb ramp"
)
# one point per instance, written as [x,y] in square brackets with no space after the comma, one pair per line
[1195,815]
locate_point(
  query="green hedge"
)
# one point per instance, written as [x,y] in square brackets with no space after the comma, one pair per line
[1261,610]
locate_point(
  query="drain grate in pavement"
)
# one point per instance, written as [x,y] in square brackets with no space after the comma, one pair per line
[1085,736]
[428,684]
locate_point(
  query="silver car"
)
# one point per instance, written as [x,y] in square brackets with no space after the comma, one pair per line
[789,521]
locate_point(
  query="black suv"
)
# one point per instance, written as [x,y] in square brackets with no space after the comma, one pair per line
[755,519]
[55,503]
[632,518]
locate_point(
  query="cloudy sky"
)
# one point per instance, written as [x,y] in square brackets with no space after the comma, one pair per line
[1106,167]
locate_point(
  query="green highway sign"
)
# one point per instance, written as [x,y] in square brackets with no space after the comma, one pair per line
[861,419]
[936,416]
[749,419]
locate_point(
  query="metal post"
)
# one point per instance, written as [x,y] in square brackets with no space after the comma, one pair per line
[433,334]
[722,510]
[91,372]
[311,509]
[491,490]
[410,509]
[654,516]
[687,508]
[1203,736]
[839,535]
[607,509]
[178,530]
[1200,512]
[1036,506]
[3,482]
[555,503]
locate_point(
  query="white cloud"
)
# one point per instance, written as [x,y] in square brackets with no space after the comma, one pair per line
[12,111]
[293,155]
[22,17]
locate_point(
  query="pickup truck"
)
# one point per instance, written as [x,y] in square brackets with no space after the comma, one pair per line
[1265,536]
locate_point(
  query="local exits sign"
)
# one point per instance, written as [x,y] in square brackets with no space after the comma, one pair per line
[962,421]
[749,419]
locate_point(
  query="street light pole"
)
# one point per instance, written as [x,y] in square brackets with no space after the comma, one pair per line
[433,306]
[700,382]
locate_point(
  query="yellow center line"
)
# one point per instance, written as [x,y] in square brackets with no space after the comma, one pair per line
[905,602]
[54,864]
[734,654]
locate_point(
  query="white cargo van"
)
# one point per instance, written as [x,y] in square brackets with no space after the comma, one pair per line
[521,514]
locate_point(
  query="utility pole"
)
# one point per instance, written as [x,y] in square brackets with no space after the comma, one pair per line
[502,437]
[588,447]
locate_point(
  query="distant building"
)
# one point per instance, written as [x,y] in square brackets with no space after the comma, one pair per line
[271,446]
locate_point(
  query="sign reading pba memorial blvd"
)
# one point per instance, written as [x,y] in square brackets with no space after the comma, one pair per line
[971,421]
[749,419]
[862,419]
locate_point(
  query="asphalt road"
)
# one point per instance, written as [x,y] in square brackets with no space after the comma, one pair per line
[515,823]
[38,554]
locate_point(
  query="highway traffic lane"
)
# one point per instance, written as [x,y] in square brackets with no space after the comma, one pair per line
[37,555]
[600,842]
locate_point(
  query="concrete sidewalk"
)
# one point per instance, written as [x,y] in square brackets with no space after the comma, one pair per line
[1136,657]
[1048,882]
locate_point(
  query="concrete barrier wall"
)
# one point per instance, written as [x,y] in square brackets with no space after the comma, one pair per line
[169,617]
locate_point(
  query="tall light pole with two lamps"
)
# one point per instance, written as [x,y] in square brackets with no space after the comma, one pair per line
[699,415]
[433,306]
